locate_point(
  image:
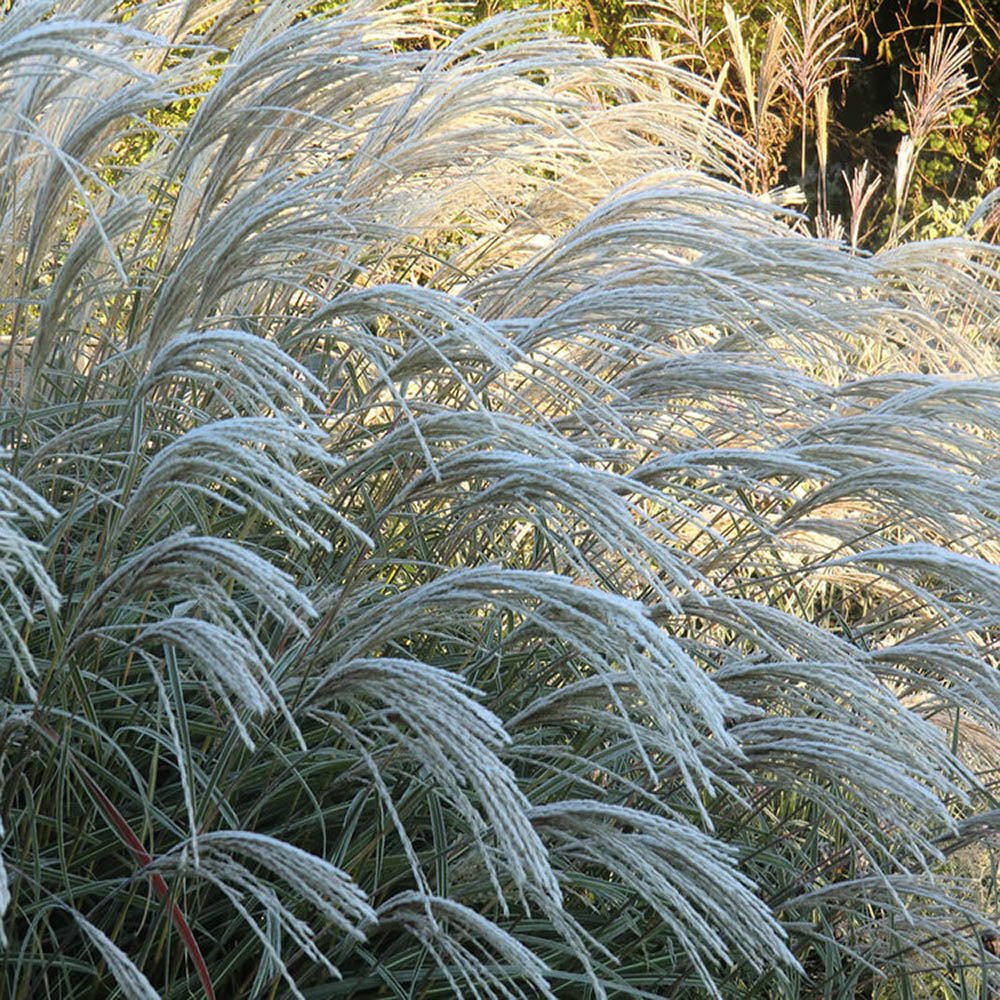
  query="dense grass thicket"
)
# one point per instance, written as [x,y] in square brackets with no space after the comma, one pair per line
[455,544]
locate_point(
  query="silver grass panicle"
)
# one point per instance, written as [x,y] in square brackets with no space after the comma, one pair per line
[28,588]
[190,566]
[452,547]
[943,87]
[559,495]
[228,657]
[684,876]
[456,740]
[325,887]
[20,504]
[763,293]
[476,957]
[388,156]
[985,213]
[329,889]
[133,984]
[902,916]
[239,373]
[243,464]
[607,632]
[4,897]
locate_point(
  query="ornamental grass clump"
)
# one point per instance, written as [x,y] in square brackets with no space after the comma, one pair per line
[453,548]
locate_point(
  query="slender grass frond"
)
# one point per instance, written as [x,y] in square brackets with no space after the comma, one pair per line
[322,885]
[456,740]
[477,958]
[684,876]
[189,566]
[4,897]
[245,375]
[249,459]
[943,87]
[133,984]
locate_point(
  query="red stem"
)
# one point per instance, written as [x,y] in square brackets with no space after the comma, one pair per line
[143,857]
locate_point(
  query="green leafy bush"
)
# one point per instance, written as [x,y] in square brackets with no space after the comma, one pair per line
[456,544]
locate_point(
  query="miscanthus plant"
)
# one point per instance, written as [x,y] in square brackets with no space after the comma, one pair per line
[455,545]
